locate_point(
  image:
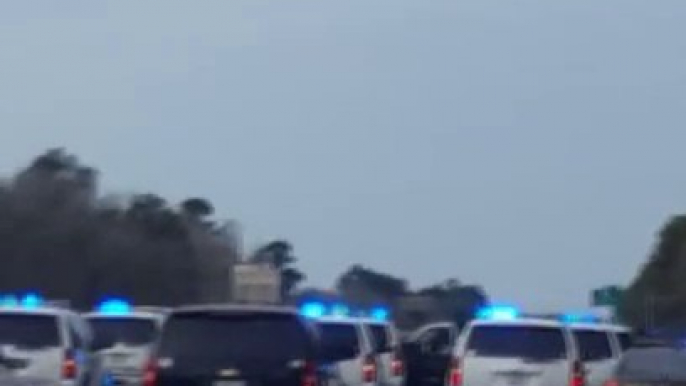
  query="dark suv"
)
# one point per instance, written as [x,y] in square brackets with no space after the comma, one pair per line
[235,346]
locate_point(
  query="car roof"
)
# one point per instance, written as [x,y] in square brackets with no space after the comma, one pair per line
[129,315]
[597,327]
[46,310]
[339,320]
[523,322]
[235,308]
[376,322]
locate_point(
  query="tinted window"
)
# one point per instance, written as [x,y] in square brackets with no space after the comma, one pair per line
[625,340]
[339,341]
[29,331]
[436,338]
[593,345]
[652,364]
[536,343]
[127,331]
[206,341]
[380,337]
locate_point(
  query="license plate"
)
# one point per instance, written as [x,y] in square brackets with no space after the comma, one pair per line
[229,383]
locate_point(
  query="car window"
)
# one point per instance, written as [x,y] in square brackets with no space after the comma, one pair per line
[339,341]
[530,342]
[593,345]
[29,331]
[202,341]
[127,331]
[625,340]
[652,364]
[381,338]
[435,338]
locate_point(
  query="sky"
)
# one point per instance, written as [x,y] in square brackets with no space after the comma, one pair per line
[533,147]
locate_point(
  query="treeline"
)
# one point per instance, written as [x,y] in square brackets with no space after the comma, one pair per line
[63,237]
[656,299]
[60,237]
[365,288]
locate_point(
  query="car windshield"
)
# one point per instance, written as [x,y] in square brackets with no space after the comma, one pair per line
[652,364]
[529,342]
[202,341]
[380,336]
[29,331]
[126,331]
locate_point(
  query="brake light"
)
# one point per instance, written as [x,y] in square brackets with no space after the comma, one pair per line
[578,374]
[150,373]
[611,382]
[397,365]
[309,375]
[369,369]
[455,375]
[70,368]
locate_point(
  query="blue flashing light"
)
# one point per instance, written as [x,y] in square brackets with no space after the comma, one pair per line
[340,310]
[8,301]
[114,307]
[379,313]
[579,318]
[498,313]
[31,300]
[313,310]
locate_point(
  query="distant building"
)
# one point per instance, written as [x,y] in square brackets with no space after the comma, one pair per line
[256,283]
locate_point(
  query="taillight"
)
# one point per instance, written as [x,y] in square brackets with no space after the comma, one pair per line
[578,374]
[150,373]
[70,368]
[397,365]
[455,376]
[611,382]
[369,369]
[309,374]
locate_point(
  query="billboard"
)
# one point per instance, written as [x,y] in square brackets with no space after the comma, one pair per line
[256,283]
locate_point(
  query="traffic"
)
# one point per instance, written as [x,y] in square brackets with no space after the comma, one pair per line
[316,344]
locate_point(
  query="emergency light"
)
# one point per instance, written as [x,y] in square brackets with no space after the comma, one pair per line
[114,306]
[29,301]
[497,313]
[317,309]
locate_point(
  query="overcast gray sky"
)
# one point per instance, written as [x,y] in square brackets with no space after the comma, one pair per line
[532,146]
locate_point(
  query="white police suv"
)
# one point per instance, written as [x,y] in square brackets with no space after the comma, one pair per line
[358,351]
[501,348]
[387,348]
[38,341]
[123,338]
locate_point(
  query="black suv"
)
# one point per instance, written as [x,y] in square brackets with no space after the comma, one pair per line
[235,346]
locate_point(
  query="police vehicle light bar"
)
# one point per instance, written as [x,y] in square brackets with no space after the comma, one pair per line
[497,313]
[114,307]
[318,309]
[29,301]
[579,318]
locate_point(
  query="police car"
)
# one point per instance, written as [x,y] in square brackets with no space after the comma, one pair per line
[387,347]
[39,341]
[123,337]
[600,346]
[360,351]
[501,348]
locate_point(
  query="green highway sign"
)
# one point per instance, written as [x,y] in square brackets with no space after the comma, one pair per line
[607,296]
